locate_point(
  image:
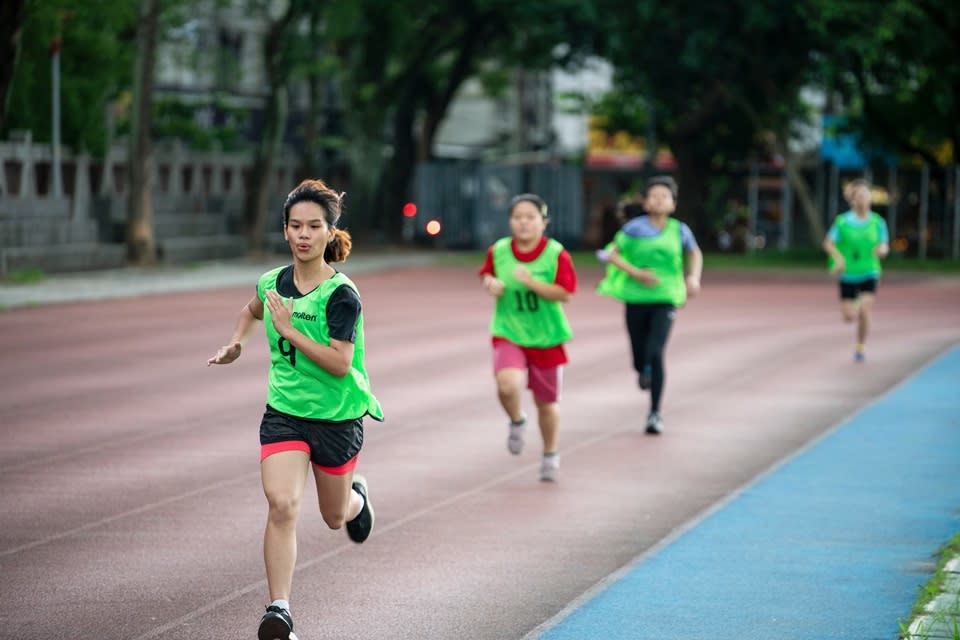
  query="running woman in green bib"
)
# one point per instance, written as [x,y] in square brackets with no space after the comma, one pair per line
[653,264]
[856,242]
[531,276]
[318,391]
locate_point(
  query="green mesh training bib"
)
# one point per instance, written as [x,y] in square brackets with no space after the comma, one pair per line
[298,386]
[521,316]
[662,254]
[857,243]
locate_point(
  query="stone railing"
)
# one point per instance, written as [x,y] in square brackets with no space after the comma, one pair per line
[81,209]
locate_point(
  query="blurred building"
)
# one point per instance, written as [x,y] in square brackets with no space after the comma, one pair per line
[215,54]
[210,72]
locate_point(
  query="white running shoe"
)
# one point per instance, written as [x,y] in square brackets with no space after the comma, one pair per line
[550,468]
[654,424]
[515,437]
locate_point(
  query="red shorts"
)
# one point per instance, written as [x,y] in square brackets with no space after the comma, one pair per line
[544,382]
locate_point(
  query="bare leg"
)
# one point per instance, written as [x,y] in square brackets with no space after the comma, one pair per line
[509,385]
[863,318]
[849,309]
[283,476]
[339,503]
[548,414]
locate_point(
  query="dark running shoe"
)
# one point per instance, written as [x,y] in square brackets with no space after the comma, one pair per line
[360,527]
[276,624]
[644,378]
[654,424]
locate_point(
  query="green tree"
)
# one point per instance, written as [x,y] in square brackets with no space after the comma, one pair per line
[895,66]
[11,24]
[95,61]
[720,79]
[402,63]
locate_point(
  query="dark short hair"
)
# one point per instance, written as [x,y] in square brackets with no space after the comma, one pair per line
[532,198]
[631,210]
[661,181]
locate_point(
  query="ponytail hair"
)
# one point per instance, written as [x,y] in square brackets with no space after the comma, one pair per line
[331,201]
[339,248]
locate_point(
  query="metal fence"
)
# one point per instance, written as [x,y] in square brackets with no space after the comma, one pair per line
[470,201]
[920,204]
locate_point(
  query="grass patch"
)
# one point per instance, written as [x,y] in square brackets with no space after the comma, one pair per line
[26,276]
[935,585]
[793,259]
[817,260]
[930,265]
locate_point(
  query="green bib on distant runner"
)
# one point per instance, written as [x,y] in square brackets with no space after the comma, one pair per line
[521,316]
[857,244]
[302,388]
[662,254]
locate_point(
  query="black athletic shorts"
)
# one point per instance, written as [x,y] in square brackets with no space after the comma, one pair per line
[852,290]
[331,445]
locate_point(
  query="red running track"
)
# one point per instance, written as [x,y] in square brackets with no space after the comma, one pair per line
[131,504]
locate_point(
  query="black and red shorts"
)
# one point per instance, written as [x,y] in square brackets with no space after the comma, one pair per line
[332,446]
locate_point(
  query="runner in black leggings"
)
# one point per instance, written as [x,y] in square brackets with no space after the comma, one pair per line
[653,263]
[649,327]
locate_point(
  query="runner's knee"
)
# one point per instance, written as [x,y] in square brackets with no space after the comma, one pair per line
[284,508]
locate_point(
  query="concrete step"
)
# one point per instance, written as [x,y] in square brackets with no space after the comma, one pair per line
[80,256]
[33,232]
[195,248]
[17,208]
[183,225]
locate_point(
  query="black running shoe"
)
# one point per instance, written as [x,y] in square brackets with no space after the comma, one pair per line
[276,624]
[644,378]
[360,527]
[654,424]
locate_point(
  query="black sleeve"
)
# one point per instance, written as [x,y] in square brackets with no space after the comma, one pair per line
[343,309]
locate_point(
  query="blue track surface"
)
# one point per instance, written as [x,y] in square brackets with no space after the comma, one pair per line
[831,544]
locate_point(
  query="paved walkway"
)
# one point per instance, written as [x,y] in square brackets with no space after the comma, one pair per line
[134,281]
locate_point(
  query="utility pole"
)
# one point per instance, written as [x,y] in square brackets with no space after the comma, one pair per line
[55,46]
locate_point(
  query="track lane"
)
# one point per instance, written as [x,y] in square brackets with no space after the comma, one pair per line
[148,500]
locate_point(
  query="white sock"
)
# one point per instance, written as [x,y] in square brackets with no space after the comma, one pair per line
[280,603]
[363,501]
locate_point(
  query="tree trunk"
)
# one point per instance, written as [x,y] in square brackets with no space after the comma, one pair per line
[693,181]
[311,164]
[364,159]
[11,24]
[258,192]
[141,240]
[394,187]
[813,215]
[271,138]
[410,148]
